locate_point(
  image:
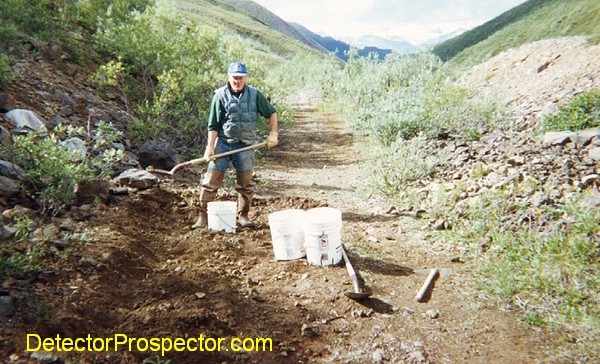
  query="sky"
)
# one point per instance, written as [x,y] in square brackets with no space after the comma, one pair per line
[415,21]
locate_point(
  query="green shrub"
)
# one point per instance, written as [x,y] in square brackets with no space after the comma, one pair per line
[91,12]
[549,268]
[23,226]
[20,264]
[582,112]
[408,96]
[178,62]
[55,172]
[67,24]
[108,75]
[556,273]
[408,162]
[34,17]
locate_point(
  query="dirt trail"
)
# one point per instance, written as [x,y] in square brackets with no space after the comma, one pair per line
[146,274]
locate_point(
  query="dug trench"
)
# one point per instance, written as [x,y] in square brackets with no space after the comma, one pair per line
[145,274]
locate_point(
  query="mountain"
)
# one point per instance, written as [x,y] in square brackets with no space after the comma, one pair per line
[272,45]
[428,45]
[531,21]
[338,47]
[273,21]
[396,44]
[302,34]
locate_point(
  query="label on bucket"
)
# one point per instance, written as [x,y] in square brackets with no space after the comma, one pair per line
[322,236]
[323,247]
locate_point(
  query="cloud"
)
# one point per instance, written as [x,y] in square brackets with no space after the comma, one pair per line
[415,21]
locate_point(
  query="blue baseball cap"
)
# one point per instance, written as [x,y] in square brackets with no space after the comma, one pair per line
[237,69]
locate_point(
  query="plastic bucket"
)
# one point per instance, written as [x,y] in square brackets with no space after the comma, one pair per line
[287,234]
[222,216]
[322,236]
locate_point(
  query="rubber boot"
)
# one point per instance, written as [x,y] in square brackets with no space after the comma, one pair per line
[245,188]
[208,191]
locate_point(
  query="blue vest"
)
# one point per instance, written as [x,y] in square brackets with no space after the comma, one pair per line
[241,115]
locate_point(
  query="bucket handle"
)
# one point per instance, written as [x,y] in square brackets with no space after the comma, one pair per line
[225,222]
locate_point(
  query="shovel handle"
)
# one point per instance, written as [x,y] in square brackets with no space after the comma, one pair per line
[434,272]
[351,271]
[192,162]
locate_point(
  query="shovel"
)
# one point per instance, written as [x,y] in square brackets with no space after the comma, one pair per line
[357,293]
[192,162]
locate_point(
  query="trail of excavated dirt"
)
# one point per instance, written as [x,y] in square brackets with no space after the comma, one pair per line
[146,274]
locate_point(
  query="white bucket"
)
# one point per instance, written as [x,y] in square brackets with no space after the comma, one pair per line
[322,236]
[287,234]
[222,215]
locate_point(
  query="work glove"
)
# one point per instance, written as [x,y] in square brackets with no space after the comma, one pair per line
[272,139]
[209,153]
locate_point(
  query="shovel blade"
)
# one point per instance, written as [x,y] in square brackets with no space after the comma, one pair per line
[358,295]
[158,171]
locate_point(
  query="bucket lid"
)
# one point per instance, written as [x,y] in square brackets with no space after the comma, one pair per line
[324,215]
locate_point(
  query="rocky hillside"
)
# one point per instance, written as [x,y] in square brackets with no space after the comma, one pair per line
[533,80]
[536,78]
[452,46]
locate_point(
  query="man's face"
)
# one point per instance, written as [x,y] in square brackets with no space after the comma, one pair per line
[237,83]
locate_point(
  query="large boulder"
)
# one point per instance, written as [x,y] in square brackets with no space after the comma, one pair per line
[8,187]
[158,154]
[136,178]
[75,145]
[26,120]
[11,170]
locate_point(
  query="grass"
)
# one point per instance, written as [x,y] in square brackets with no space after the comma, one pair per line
[448,49]
[549,267]
[15,263]
[535,21]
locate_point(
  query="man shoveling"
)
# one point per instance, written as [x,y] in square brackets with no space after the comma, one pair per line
[232,125]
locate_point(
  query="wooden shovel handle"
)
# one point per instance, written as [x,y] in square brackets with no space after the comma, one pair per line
[192,162]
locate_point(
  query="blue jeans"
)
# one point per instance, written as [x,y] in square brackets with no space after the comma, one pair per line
[242,161]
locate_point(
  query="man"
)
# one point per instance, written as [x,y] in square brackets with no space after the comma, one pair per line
[232,125]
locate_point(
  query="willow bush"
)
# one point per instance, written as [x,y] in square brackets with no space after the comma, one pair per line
[54,171]
[172,63]
[407,96]
[581,112]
